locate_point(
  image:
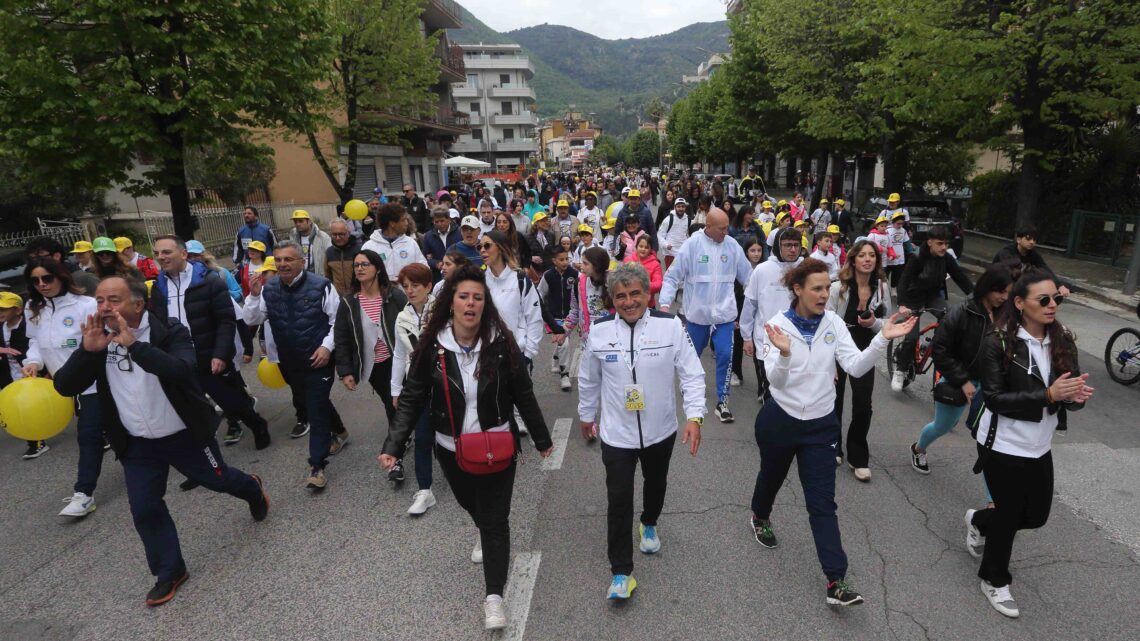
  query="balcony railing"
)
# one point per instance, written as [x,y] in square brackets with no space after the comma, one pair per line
[525,118]
[451,59]
[512,91]
[448,8]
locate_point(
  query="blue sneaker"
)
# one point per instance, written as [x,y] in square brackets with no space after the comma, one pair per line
[622,587]
[650,544]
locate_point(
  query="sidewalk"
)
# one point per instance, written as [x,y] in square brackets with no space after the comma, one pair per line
[1095,280]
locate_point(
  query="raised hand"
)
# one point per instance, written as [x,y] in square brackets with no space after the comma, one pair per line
[892,330]
[778,339]
[94,338]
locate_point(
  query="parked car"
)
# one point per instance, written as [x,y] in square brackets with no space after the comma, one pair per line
[925,212]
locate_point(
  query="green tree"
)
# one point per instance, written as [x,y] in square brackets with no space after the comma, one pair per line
[89,88]
[231,169]
[379,81]
[643,149]
[607,149]
[24,198]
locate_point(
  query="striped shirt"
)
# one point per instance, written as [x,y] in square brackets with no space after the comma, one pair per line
[373,308]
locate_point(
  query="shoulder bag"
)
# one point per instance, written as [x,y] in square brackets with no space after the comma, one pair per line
[480,452]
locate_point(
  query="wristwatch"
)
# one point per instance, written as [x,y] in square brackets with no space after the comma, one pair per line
[700,421]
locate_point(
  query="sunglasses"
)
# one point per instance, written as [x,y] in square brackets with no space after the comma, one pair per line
[1044,300]
[43,280]
[361,265]
[487,246]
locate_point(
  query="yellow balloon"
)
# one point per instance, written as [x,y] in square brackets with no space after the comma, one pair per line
[32,410]
[356,209]
[270,374]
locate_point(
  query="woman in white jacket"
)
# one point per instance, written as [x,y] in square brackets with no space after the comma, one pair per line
[415,279]
[804,343]
[56,313]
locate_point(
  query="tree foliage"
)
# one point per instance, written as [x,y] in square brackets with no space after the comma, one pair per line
[643,149]
[607,149]
[232,169]
[88,88]
[380,78]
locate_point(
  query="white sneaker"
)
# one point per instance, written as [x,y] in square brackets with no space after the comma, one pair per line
[566,385]
[863,474]
[494,613]
[1001,599]
[734,381]
[421,501]
[897,381]
[554,364]
[78,505]
[477,553]
[975,542]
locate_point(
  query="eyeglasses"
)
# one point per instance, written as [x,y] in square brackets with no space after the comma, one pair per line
[1044,300]
[361,265]
[121,359]
[487,246]
[43,280]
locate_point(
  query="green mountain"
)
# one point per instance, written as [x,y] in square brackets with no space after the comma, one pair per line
[612,78]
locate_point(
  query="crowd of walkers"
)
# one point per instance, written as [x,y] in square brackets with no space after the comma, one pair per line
[441,305]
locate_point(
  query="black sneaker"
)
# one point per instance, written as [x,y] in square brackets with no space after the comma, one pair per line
[259,509]
[164,591]
[299,430]
[35,449]
[762,529]
[722,413]
[918,460]
[233,434]
[839,593]
[261,438]
[396,474]
[187,485]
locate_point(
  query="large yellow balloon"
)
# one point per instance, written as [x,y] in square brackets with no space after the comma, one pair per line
[32,410]
[270,374]
[356,210]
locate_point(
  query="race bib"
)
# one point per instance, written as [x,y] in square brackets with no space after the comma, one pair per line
[634,398]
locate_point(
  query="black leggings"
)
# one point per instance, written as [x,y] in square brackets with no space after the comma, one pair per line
[1022,489]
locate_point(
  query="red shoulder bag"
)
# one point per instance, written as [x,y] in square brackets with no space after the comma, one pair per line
[480,452]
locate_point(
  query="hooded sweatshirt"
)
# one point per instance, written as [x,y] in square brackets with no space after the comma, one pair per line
[765,295]
[396,253]
[532,208]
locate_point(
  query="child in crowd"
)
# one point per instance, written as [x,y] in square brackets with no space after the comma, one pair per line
[900,247]
[556,290]
[585,241]
[881,238]
[591,301]
[14,347]
[825,254]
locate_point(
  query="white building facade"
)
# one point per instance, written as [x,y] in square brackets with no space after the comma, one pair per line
[500,101]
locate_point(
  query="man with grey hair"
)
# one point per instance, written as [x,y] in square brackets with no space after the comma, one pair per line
[339,255]
[705,266]
[627,379]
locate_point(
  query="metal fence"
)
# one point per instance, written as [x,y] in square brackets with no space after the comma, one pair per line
[218,225]
[64,232]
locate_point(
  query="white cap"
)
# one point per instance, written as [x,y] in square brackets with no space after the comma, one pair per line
[680,201]
[470,221]
[624,190]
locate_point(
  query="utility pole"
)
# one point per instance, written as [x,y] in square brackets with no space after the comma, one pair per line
[1132,278]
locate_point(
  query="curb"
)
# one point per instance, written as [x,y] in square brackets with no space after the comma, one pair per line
[978,265]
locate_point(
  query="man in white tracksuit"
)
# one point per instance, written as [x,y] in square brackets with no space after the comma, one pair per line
[765,296]
[391,241]
[706,266]
[627,384]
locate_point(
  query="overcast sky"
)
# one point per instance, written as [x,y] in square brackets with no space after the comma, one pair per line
[603,18]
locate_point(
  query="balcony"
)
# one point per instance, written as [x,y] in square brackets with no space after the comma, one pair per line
[450,62]
[477,120]
[500,63]
[442,14]
[512,91]
[517,145]
[469,147]
[465,91]
[525,118]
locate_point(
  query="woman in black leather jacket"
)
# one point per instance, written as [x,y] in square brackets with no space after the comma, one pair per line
[1030,377]
[957,350]
[486,379]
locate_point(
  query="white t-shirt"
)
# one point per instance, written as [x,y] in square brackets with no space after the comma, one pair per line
[898,238]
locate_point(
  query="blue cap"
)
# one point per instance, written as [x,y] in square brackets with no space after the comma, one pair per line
[195,247]
[378,191]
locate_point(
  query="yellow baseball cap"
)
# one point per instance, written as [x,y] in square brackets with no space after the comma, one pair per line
[81,247]
[894,198]
[840,201]
[122,242]
[824,201]
[800,223]
[591,193]
[781,203]
[585,229]
[539,216]
[300,214]
[563,203]
[634,193]
[833,229]
[881,219]
[609,224]
[782,216]
[767,204]
[10,300]
[258,245]
[270,265]
[898,215]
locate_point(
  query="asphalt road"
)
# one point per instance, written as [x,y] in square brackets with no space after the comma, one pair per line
[351,564]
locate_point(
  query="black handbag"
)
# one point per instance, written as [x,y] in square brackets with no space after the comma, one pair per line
[948,394]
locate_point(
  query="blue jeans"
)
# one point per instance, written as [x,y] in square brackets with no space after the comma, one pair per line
[425,440]
[313,386]
[721,338]
[816,465]
[946,417]
[89,433]
[146,465]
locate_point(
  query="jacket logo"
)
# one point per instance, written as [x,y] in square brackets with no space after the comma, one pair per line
[68,321]
[829,337]
[611,358]
[403,253]
[703,259]
[724,258]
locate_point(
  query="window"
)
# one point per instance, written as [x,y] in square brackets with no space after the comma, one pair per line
[508,134]
[473,80]
[504,79]
[477,134]
[507,108]
[474,108]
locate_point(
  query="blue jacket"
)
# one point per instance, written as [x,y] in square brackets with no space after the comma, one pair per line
[297,317]
[435,246]
[248,233]
[472,253]
[209,316]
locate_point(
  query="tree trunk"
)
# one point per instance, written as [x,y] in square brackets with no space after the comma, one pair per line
[1028,188]
[894,167]
[179,194]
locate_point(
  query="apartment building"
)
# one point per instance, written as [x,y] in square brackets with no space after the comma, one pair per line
[500,103]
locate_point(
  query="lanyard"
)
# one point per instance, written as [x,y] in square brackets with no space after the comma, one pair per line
[630,359]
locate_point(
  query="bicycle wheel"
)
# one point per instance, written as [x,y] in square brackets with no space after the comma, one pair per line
[1122,356]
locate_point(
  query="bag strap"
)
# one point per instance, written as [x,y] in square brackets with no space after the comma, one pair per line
[447,394]
[988,446]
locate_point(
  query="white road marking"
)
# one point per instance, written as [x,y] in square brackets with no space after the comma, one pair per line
[559,435]
[520,589]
